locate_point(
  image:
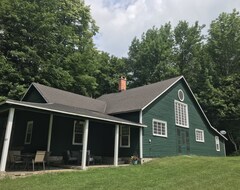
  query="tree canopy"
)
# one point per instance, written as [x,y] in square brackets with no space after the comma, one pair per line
[51,42]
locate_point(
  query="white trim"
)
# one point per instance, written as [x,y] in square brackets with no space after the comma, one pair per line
[187,119]
[162,93]
[7,139]
[181,91]
[116,145]
[202,110]
[165,126]
[36,89]
[85,142]
[140,116]
[29,124]
[141,143]
[81,123]
[182,77]
[121,135]
[202,135]
[50,132]
[75,114]
[217,143]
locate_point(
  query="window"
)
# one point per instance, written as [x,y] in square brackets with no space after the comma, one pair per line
[78,133]
[180,95]
[217,143]
[199,134]
[125,136]
[28,136]
[159,128]
[181,114]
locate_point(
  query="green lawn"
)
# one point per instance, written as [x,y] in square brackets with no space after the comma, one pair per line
[183,172]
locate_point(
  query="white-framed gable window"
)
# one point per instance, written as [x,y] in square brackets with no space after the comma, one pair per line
[124,136]
[217,143]
[77,133]
[199,135]
[181,114]
[29,130]
[159,128]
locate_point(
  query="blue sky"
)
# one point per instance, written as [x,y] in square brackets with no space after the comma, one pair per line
[121,20]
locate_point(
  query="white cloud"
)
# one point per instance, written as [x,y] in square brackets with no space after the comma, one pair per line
[121,20]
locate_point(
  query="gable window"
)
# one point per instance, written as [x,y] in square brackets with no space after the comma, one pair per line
[124,136]
[199,134]
[159,128]
[28,136]
[181,114]
[180,95]
[217,143]
[78,133]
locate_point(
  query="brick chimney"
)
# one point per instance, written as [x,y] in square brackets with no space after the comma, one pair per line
[122,84]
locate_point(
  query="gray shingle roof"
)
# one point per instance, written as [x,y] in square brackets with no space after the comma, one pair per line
[69,110]
[54,95]
[136,98]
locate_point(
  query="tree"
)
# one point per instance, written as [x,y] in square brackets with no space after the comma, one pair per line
[48,42]
[110,69]
[224,44]
[188,49]
[151,58]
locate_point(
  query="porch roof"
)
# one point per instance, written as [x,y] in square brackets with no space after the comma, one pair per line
[69,110]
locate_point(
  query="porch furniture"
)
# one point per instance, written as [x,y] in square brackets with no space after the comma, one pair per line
[54,160]
[71,157]
[90,158]
[15,158]
[27,159]
[75,156]
[39,158]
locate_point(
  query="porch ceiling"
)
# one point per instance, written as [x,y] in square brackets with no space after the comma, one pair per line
[69,110]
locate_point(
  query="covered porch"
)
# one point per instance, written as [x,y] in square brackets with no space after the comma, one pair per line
[57,129]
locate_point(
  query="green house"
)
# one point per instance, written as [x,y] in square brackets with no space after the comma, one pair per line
[156,120]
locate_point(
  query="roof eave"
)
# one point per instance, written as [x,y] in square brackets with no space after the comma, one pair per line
[75,114]
[203,111]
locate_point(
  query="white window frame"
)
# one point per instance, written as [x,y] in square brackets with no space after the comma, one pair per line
[217,142]
[179,95]
[179,112]
[74,132]
[121,136]
[29,131]
[199,138]
[160,122]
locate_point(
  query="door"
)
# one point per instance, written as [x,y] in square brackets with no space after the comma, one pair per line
[183,146]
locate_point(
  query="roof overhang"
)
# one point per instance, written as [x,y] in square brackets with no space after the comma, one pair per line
[93,115]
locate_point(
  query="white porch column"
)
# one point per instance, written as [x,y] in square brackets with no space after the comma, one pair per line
[85,141]
[141,143]
[116,145]
[50,132]
[7,140]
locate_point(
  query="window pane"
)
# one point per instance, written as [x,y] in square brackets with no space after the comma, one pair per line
[78,138]
[181,114]
[124,140]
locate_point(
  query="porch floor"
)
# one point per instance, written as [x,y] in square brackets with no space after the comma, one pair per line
[62,168]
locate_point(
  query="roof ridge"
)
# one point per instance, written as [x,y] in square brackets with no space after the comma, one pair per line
[139,87]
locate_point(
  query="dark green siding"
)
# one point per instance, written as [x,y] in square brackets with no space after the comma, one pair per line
[39,134]
[163,109]
[131,116]
[134,135]
[33,96]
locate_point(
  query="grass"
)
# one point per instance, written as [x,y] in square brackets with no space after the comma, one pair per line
[182,172]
